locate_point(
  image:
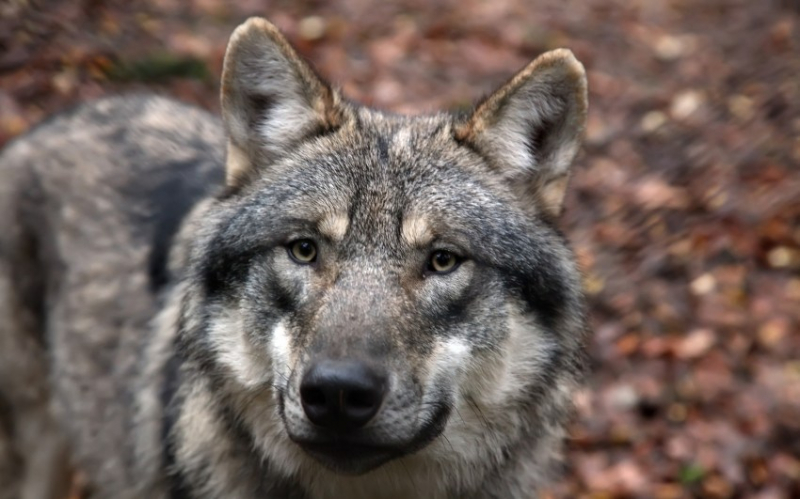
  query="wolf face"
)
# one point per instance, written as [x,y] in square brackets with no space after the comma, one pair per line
[377,290]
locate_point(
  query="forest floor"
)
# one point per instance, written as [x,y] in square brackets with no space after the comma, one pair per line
[684,210]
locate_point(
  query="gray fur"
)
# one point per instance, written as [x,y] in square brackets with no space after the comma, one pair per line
[154,327]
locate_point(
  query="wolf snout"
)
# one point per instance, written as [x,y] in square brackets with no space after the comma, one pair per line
[342,395]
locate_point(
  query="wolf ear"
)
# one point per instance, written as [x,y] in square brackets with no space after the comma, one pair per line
[271,99]
[530,129]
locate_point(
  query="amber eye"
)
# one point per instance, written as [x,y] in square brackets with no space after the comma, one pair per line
[442,261]
[303,251]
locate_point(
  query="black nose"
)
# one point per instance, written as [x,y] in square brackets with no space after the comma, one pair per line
[342,395]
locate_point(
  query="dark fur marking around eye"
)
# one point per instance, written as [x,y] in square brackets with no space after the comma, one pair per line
[221,269]
[534,273]
[281,297]
[456,309]
[542,292]
[241,237]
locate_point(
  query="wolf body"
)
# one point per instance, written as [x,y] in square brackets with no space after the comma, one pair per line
[307,299]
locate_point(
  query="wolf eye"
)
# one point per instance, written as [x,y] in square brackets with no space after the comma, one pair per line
[442,262]
[303,251]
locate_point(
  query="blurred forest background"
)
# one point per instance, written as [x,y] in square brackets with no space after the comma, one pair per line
[684,209]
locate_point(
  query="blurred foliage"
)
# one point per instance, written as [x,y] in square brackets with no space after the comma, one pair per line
[159,68]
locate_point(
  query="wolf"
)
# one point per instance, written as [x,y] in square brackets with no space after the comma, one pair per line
[307,299]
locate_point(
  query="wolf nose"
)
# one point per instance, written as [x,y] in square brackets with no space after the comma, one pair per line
[342,395]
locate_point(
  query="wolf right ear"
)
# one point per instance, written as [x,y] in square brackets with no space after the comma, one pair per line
[271,99]
[530,129]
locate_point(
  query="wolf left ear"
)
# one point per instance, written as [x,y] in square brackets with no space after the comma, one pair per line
[530,129]
[271,99]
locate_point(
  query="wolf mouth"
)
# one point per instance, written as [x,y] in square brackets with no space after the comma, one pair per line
[353,455]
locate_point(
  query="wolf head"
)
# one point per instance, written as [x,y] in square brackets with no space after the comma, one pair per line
[376,289]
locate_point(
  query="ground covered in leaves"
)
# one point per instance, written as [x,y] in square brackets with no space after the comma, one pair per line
[684,209]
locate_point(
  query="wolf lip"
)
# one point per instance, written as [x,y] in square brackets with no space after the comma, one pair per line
[354,457]
[348,457]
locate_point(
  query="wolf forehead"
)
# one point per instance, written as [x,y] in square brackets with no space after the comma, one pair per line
[385,180]
[385,188]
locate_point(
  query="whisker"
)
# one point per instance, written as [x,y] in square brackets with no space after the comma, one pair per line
[479,413]
[452,449]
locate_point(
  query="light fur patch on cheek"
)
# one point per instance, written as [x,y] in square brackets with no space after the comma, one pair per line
[447,365]
[448,368]
[485,385]
[520,363]
[249,364]
[280,352]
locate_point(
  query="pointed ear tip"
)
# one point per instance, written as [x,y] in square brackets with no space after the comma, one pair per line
[253,31]
[567,67]
[254,26]
[563,59]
